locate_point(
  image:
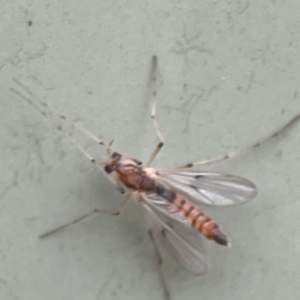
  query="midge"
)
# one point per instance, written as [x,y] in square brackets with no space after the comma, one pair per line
[169,198]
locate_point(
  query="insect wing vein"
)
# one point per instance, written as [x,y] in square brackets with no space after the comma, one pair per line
[209,188]
[182,241]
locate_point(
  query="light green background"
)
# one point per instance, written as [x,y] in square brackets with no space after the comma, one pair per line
[229,75]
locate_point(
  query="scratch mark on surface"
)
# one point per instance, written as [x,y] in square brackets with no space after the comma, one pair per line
[188,44]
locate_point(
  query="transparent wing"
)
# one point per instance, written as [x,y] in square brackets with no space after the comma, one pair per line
[207,187]
[184,242]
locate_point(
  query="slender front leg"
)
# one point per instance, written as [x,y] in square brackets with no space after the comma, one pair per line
[153,89]
[154,153]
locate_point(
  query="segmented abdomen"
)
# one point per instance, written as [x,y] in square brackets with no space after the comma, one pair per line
[194,215]
[199,220]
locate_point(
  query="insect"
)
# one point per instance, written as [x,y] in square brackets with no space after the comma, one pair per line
[169,198]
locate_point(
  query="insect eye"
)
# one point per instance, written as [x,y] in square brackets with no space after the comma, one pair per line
[108,169]
[115,155]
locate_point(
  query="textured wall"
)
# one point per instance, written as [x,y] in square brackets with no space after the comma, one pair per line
[228,75]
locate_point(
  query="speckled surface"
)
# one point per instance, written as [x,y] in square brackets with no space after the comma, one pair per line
[229,75]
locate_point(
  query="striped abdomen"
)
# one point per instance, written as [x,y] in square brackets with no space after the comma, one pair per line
[195,216]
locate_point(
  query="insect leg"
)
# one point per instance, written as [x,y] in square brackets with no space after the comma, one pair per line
[153,89]
[245,149]
[154,153]
[97,164]
[160,266]
[46,110]
[106,211]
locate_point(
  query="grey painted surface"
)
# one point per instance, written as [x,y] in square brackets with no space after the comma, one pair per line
[229,75]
